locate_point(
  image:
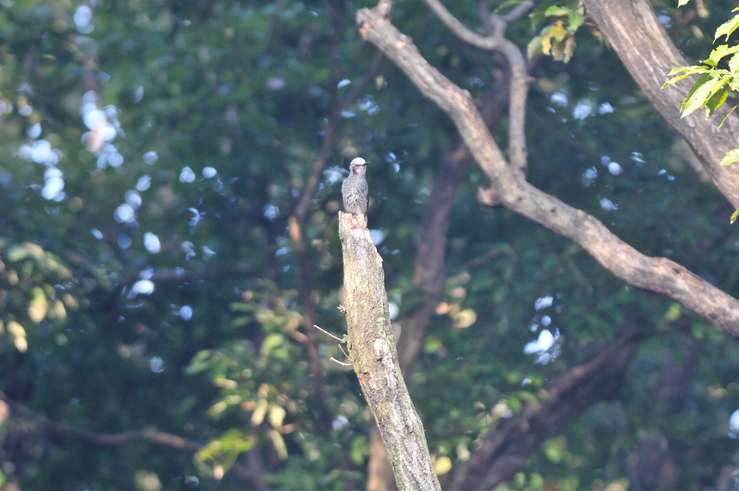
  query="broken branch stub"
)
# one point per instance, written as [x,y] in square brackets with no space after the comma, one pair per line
[375,359]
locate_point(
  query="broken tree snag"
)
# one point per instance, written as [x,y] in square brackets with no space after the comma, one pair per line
[372,351]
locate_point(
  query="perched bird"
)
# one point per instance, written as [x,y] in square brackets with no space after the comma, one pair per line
[354,189]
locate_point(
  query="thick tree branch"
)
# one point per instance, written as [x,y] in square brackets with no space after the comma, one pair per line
[505,448]
[656,274]
[373,355]
[646,50]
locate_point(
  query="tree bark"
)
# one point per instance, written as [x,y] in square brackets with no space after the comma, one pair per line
[647,52]
[374,357]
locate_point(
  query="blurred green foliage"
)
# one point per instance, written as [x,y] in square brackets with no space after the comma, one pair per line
[152,155]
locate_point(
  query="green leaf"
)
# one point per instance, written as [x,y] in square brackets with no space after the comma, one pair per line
[555,449]
[257,417]
[701,93]
[39,306]
[552,37]
[727,28]
[734,216]
[719,53]
[574,22]
[535,46]
[674,312]
[716,101]
[273,344]
[734,63]
[278,443]
[226,449]
[557,11]
[200,363]
[726,116]
[432,344]
[17,253]
[276,416]
[18,334]
[731,157]
[359,449]
[681,73]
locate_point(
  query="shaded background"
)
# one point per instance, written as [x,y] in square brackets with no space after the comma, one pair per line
[160,258]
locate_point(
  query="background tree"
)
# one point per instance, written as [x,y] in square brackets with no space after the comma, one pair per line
[170,183]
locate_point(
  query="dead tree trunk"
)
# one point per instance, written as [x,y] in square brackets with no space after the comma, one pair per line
[373,354]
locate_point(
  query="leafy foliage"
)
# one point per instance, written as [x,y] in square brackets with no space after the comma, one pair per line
[153,153]
[557,39]
[715,84]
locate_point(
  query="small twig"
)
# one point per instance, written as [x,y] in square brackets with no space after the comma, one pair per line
[341,341]
[518,91]
[334,336]
[342,363]
[345,353]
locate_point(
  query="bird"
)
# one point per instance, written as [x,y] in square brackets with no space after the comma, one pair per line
[354,189]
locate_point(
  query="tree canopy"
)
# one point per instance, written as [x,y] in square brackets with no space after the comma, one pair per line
[169,185]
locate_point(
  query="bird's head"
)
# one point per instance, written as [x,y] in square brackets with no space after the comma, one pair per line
[358,166]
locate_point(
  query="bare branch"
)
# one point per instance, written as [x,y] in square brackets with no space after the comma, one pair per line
[519,11]
[490,43]
[517,63]
[652,273]
[333,336]
[340,363]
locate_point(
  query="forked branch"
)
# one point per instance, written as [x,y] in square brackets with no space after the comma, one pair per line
[657,274]
[519,82]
